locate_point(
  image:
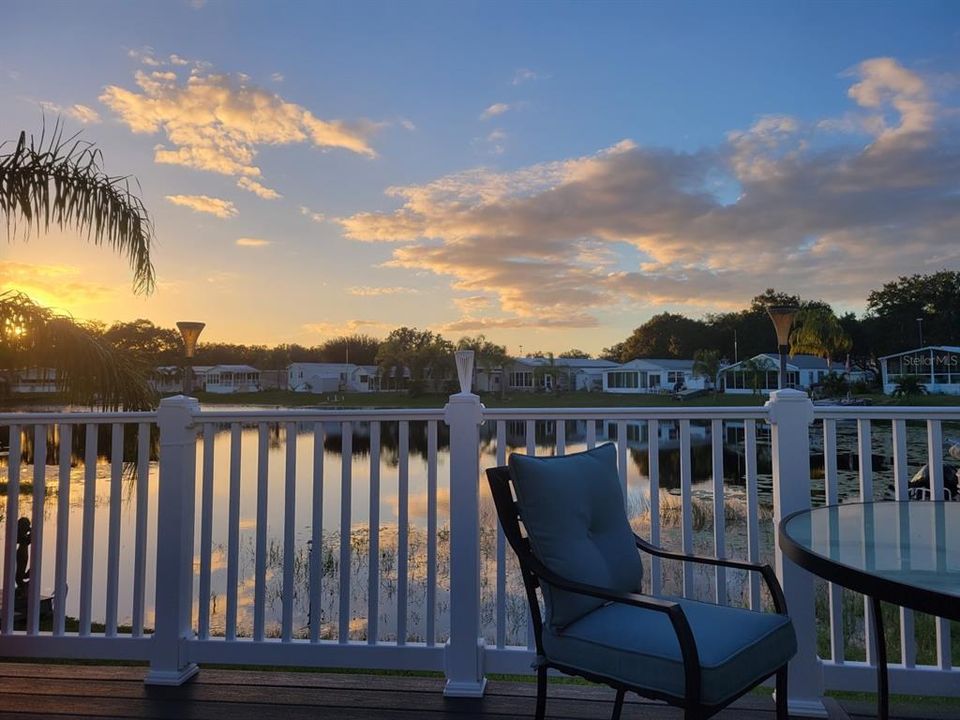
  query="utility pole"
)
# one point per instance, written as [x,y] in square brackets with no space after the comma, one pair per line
[920,328]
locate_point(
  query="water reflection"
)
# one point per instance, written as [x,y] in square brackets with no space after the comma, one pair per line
[324,608]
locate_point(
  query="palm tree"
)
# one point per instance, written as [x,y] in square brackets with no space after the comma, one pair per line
[908,386]
[706,363]
[89,371]
[60,182]
[817,331]
[755,371]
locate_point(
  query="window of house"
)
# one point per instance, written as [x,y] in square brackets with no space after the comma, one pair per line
[521,379]
[622,379]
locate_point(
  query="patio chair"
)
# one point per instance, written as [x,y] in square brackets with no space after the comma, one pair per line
[570,532]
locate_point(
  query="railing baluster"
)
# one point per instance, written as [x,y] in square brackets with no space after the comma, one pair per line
[431,532]
[316,535]
[140,522]
[831,496]
[935,466]
[686,504]
[622,457]
[561,426]
[233,531]
[63,531]
[346,484]
[531,436]
[373,558]
[653,462]
[89,519]
[206,531]
[36,527]
[260,579]
[908,640]
[753,515]
[865,462]
[403,521]
[591,434]
[289,531]
[719,512]
[10,544]
[501,600]
[113,527]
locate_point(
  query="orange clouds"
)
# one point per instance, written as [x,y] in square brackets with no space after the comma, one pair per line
[205,204]
[217,122]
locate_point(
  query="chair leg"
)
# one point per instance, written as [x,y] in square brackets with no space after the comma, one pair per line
[782,693]
[618,704]
[541,692]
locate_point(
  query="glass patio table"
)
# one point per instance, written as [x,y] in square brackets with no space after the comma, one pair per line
[906,553]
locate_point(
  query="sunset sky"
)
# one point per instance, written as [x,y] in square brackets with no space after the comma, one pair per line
[548,174]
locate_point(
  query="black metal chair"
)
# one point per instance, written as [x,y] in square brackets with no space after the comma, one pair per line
[694,655]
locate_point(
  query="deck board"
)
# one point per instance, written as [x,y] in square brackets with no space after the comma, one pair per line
[35,691]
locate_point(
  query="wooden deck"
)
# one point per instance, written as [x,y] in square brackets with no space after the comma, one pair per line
[66,692]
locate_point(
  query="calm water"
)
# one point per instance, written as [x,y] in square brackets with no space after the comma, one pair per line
[324,608]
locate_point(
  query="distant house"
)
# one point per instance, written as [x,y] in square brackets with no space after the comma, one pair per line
[803,372]
[652,376]
[167,379]
[937,367]
[332,377]
[33,380]
[529,373]
[223,379]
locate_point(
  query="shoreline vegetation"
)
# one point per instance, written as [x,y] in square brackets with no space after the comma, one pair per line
[396,400]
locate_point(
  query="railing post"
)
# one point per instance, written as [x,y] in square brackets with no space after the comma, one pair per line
[463,657]
[790,415]
[175,521]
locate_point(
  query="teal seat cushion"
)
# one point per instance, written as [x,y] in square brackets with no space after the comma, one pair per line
[573,511]
[639,647]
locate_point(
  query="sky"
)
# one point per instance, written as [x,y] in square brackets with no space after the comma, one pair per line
[548,174]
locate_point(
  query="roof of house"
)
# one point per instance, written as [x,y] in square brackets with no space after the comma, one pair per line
[576,363]
[797,362]
[234,368]
[662,363]
[947,348]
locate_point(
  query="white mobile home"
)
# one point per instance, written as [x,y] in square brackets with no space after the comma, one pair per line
[937,367]
[332,377]
[803,372]
[223,379]
[536,373]
[653,376]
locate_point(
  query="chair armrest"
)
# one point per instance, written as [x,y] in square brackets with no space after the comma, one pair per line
[766,572]
[673,610]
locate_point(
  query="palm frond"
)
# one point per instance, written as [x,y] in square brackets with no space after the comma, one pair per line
[89,370]
[59,181]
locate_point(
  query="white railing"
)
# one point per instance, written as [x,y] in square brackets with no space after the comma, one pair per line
[254,549]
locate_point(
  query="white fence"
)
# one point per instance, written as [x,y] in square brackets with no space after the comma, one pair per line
[173,533]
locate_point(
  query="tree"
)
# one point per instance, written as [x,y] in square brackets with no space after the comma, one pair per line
[896,307]
[755,371]
[908,386]
[614,353]
[356,349]
[147,342]
[706,363]
[665,336]
[487,356]
[817,331]
[427,356]
[89,370]
[574,354]
[61,182]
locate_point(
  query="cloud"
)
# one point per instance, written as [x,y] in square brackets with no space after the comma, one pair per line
[246,183]
[345,328]
[277,77]
[205,204]
[494,110]
[219,122]
[407,124]
[80,113]
[252,242]
[495,141]
[366,291]
[558,244]
[56,286]
[525,75]
[315,216]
